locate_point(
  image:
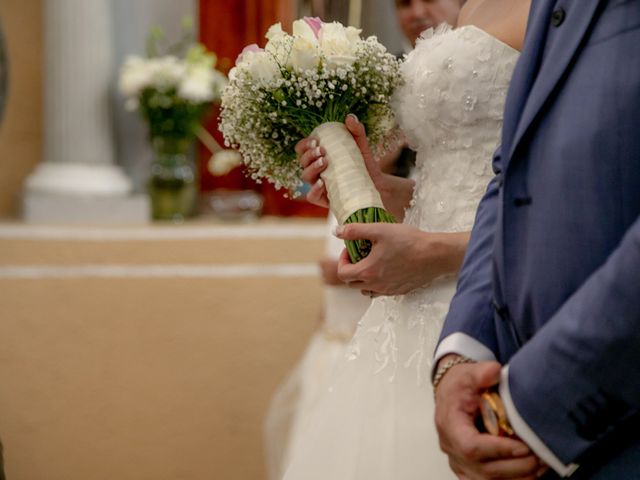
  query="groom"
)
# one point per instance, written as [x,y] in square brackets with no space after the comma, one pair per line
[550,287]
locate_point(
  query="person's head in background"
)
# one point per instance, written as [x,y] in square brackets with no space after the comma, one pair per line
[415,16]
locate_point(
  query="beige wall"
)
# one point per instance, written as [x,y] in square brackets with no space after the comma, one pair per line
[21,130]
[147,378]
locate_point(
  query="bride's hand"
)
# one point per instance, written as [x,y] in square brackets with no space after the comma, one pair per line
[402,257]
[395,191]
[312,158]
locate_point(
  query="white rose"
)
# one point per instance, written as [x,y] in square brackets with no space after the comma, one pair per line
[301,29]
[353,34]
[278,44]
[275,31]
[337,61]
[336,44]
[262,67]
[135,76]
[304,54]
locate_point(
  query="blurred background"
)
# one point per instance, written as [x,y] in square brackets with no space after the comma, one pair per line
[151,298]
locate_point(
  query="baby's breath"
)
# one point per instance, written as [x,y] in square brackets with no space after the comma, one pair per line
[265,120]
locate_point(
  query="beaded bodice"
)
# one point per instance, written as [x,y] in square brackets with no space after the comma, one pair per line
[451,110]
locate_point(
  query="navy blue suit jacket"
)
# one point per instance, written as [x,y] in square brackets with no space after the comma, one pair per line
[551,281]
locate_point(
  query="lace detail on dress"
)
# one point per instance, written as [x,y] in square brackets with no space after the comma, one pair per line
[450,109]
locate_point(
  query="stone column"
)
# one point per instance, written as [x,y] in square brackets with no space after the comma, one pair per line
[78,180]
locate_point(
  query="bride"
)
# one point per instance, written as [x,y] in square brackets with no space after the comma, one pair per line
[376,420]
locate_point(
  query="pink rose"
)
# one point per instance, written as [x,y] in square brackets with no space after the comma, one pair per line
[315,24]
[249,48]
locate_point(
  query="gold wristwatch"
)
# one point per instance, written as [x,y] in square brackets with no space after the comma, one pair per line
[494,416]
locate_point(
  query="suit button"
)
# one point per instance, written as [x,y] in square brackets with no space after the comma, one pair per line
[521,202]
[501,310]
[557,17]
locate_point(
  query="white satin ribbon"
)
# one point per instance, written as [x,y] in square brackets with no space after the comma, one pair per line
[349,186]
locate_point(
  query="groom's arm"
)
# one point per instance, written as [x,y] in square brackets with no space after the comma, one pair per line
[576,380]
[469,328]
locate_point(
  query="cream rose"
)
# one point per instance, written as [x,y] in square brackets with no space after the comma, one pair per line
[278,44]
[261,66]
[301,29]
[304,54]
[338,44]
[275,31]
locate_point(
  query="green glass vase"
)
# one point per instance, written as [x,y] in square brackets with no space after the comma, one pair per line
[172,185]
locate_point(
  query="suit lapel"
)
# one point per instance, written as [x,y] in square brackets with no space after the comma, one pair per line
[526,70]
[557,59]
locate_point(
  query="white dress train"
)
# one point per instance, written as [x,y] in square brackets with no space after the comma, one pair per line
[375,422]
[296,398]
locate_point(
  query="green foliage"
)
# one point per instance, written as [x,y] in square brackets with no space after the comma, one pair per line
[170,116]
[359,249]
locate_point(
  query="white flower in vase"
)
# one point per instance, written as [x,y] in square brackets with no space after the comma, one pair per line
[197,86]
[135,76]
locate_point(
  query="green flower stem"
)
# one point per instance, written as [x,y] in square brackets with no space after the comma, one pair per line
[359,249]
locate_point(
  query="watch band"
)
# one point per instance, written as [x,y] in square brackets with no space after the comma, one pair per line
[445,367]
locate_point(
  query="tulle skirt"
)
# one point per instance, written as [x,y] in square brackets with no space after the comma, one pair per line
[297,397]
[375,421]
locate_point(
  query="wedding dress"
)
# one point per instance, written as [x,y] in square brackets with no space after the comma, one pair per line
[295,400]
[375,422]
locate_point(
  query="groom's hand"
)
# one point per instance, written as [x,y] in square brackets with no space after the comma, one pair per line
[472,454]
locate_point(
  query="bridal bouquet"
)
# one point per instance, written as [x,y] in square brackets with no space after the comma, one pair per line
[304,85]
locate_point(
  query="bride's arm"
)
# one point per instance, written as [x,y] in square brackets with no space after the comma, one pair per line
[395,192]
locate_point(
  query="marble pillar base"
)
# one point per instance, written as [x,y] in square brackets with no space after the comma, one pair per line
[77,193]
[50,208]
[67,178]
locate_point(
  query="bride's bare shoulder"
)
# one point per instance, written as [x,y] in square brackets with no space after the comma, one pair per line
[504,19]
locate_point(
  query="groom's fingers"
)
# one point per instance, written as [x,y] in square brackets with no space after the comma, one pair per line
[485,456]
[517,468]
[485,375]
[467,443]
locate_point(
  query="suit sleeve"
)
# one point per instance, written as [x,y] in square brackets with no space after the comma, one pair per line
[595,338]
[469,327]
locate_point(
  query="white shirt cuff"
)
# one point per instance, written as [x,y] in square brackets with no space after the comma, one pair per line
[462,344]
[527,435]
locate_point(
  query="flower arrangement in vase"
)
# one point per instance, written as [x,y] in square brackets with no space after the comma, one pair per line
[172,90]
